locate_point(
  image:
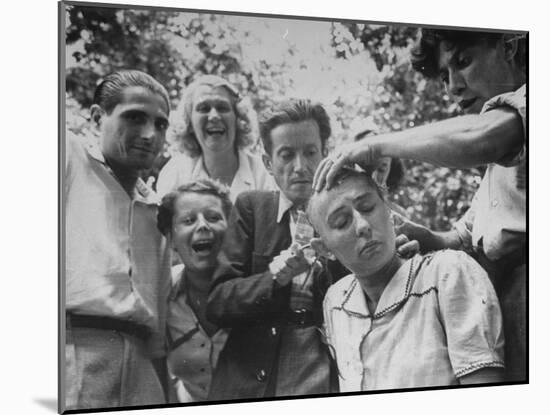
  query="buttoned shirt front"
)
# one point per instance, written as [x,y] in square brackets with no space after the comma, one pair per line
[438,319]
[117,262]
[181,168]
[496,220]
[193,353]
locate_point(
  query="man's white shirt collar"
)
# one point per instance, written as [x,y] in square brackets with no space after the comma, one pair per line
[284,205]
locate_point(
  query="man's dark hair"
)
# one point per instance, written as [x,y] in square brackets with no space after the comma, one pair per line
[293,111]
[425,53]
[108,93]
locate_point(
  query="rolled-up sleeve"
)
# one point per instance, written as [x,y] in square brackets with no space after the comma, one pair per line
[517,101]
[470,314]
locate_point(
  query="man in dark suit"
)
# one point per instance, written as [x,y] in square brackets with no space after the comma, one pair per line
[267,289]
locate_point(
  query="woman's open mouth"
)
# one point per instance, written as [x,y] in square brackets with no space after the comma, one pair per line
[203,247]
[215,130]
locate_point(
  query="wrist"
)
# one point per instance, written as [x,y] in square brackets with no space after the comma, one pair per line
[377,146]
[444,240]
[279,280]
[452,239]
[381,146]
[428,240]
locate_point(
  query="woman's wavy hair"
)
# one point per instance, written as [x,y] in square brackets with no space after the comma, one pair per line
[204,186]
[425,53]
[182,128]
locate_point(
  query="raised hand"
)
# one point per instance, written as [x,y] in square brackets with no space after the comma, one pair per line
[405,247]
[361,152]
[288,264]
[418,237]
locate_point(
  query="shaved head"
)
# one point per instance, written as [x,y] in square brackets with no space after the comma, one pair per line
[354,223]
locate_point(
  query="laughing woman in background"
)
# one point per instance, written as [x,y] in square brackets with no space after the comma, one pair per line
[215,127]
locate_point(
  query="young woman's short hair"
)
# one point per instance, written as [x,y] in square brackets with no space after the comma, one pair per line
[205,186]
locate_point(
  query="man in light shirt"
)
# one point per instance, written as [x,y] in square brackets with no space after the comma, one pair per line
[116,265]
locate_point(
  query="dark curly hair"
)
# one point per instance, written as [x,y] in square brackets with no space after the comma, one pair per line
[425,53]
[203,186]
[293,111]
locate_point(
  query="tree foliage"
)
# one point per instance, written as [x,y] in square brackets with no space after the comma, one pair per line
[360,72]
[433,195]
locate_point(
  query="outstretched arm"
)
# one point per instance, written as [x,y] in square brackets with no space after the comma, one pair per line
[465,141]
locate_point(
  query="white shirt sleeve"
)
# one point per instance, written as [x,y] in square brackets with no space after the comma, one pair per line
[517,101]
[168,176]
[470,314]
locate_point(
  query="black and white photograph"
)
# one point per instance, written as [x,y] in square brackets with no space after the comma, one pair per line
[260,207]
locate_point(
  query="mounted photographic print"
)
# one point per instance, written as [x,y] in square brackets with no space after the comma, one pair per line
[257,207]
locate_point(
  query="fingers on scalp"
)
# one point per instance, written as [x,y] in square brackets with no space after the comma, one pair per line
[331,174]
